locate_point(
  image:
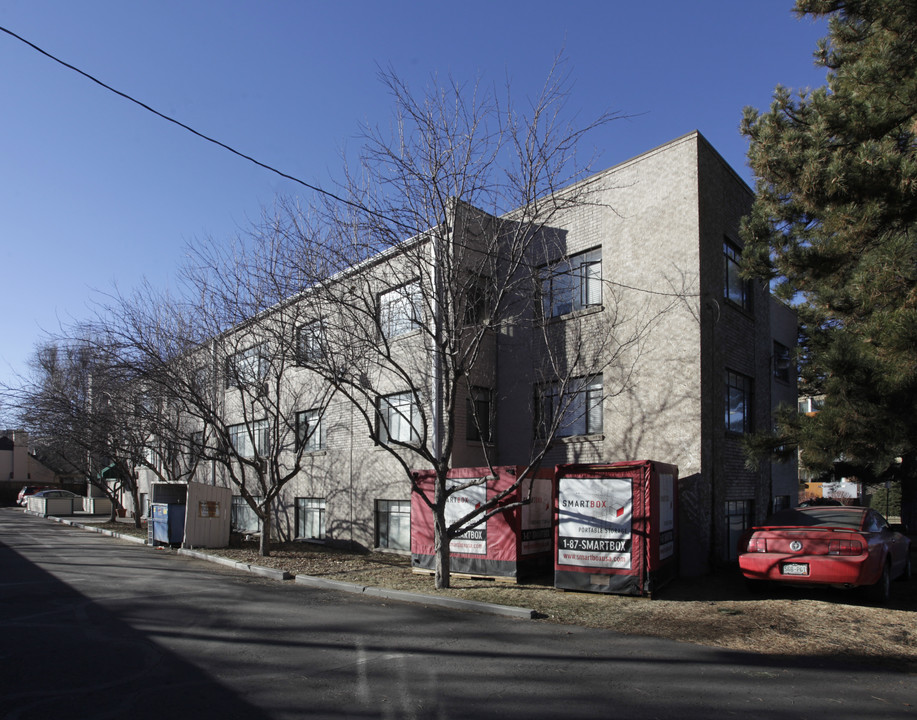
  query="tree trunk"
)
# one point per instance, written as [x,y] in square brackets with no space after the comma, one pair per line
[135,496]
[440,534]
[441,549]
[264,541]
[115,504]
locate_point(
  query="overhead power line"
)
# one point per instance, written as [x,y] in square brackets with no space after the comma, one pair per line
[184,126]
[223,145]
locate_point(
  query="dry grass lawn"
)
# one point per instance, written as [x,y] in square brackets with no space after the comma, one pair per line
[716,611]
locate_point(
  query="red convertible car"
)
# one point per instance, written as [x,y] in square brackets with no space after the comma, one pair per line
[827,545]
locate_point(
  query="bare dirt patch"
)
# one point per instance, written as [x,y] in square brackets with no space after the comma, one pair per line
[716,610]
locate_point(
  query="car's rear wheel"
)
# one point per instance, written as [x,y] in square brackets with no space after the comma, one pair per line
[880,593]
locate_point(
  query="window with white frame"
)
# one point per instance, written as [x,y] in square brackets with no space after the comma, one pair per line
[242,517]
[250,439]
[393,524]
[310,432]
[153,457]
[247,367]
[399,419]
[738,402]
[572,284]
[479,415]
[311,342]
[577,410]
[310,518]
[400,310]
[735,288]
[809,405]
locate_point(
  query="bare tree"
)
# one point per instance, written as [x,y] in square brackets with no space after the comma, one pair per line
[234,405]
[449,241]
[79,405]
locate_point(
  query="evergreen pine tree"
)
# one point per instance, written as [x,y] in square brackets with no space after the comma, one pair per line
[833,227]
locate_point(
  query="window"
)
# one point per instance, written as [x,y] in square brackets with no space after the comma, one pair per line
[310,433]
[400,310]
[399,419]
[479,420]
[310,342]
[572,284]
[576,412]
[249,440]
[393,524]
[242,517]
[734,287]
[782,362]
[197,445]
[248,367]
[810,405]
[310,518]
[200,381]
[739,517]
[477,299]
[153,458]
[738,402]
[144,406]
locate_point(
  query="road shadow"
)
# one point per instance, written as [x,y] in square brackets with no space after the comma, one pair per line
[65,656]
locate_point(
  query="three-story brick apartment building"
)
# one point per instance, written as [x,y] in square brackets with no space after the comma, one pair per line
[653,258]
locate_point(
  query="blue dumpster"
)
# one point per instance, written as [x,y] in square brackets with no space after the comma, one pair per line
[168,523]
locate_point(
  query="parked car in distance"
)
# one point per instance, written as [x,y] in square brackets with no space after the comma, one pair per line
[54,493]
[830,545]
[29,490]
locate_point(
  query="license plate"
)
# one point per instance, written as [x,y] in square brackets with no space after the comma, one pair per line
[795,569]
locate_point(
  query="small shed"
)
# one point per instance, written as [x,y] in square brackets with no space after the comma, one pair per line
[204,510]
[616,528]
[509,545]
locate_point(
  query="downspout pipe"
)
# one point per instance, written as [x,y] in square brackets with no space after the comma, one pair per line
[436,372]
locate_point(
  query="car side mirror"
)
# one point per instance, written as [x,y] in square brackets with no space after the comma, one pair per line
[899,527]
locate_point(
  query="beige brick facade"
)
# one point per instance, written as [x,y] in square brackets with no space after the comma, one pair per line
[660,222]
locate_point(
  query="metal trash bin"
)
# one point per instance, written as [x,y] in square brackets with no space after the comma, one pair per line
[168,520]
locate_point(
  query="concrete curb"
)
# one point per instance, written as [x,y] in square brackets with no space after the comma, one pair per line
[323,584]
[412,597]
[246,567]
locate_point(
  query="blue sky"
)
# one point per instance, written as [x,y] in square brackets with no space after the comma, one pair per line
[95,191]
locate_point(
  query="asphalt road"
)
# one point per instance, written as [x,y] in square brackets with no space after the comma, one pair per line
[95,627]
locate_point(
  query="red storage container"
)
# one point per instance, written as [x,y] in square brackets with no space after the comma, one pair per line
[510,544]
[616,527]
